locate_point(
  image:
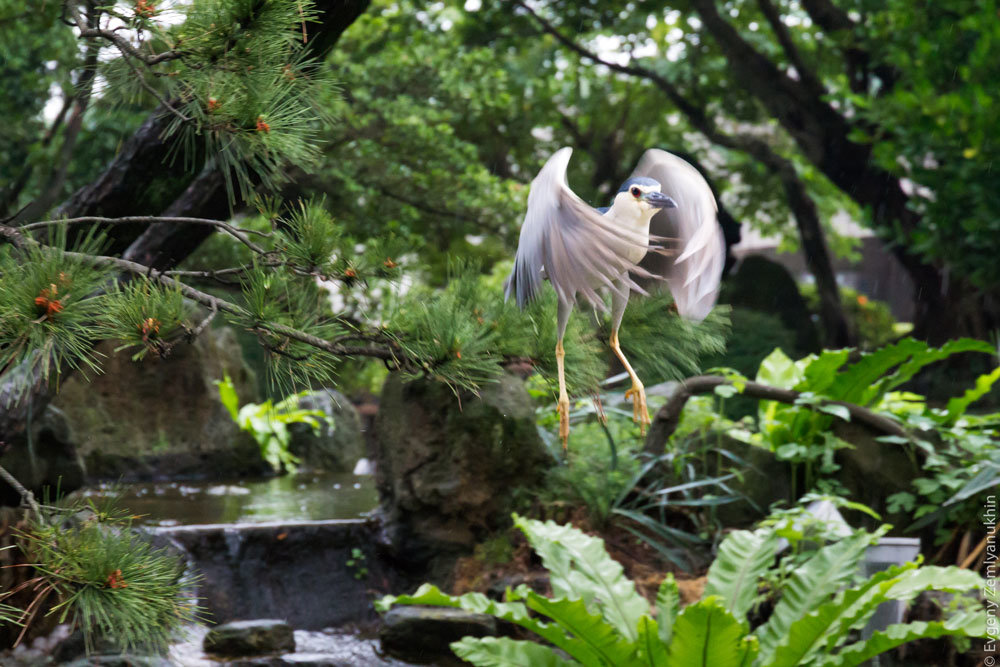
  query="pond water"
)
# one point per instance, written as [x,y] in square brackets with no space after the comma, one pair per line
[287,498]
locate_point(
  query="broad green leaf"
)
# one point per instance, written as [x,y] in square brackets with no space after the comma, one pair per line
[812,584]
[987,477]
[869,378]
[652,648]
[828,625]
[668,603]
[574,617]
[579,567]
[821,370]
[227,394]
[707,635]
[958,405]
[933,577]
[512,611]
[857,381]
[840,411]
[506,652]
[777,370]
[963,624]
[743,558]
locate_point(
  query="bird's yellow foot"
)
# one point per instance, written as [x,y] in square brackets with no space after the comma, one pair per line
[563,408]
[640,413]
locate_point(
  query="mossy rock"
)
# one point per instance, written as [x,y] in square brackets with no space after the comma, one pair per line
[162,418]
[448,467]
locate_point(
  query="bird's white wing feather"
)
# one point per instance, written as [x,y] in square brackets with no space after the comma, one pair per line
[693,275]
[579,249]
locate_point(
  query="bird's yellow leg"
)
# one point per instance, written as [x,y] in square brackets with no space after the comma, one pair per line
[640,413]
[563,405]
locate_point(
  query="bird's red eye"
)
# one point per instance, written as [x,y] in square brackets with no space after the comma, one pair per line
[636,192]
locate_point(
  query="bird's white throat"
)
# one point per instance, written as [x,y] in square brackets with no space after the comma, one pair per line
[633,214]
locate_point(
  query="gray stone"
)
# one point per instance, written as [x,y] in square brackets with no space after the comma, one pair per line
[162,418]
[243,638]
[448,468]
[292,660]
[49,459]
[422,634]
[258,570]
[338,445]
[120,661]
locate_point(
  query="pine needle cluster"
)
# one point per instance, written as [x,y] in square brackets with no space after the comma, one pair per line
[144,315]
[237,80]
[49,302]
[94,571]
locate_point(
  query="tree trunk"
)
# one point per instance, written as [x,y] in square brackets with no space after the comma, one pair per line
[836,329]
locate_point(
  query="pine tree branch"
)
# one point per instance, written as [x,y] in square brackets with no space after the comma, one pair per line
[14,236]
[237,233]
[28,496]
[122,44]
[668,418]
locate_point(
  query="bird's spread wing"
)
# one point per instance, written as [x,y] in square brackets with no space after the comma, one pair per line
[693,273]
[579,249]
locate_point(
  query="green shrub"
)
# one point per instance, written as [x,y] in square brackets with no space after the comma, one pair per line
[870,319]
[597,618]
[268,423]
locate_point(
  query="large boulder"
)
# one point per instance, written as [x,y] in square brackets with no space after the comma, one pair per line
[162,418]
[337,445]
[424,634]
[47,459]
[448,468]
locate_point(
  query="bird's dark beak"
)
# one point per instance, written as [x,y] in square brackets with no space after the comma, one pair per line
[659,200]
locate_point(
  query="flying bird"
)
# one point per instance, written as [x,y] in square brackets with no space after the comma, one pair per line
[583,251]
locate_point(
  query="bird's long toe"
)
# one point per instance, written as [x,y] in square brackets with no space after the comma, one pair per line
[640,411]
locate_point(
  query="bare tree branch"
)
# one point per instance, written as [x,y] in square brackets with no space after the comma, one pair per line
[668,418]
[236,232]
[88,31]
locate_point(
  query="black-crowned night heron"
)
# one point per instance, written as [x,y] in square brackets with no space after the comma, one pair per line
[581,250]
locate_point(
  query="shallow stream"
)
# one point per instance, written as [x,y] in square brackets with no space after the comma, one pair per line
[288,498]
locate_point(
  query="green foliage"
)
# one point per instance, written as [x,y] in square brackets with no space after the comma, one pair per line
[244,91]
[356,563]
[871,320]
[268,423]
[662,347]
[597,619]
[937,125]
[143,314]
[94,572]
[48,304]
[275,299]
[801,432]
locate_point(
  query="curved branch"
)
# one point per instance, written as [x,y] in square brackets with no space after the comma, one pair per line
[236,232]
[668,418]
